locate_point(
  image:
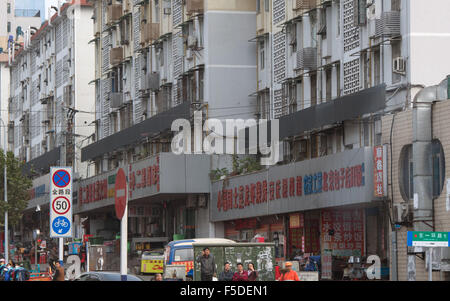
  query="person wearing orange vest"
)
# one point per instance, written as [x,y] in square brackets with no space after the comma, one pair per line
[290,275]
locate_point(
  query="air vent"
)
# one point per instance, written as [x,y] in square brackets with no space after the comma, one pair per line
[307,58]
[388,25]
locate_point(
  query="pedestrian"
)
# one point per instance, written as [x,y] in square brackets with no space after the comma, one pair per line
[59,272]
[227,274]
[252,274]
[289,274]
[83,258]
[208,265]
[158,277]
[240,275]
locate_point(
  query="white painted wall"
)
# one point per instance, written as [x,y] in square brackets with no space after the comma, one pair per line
[429,41]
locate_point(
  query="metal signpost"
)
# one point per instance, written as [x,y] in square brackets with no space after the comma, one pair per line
[429,240]
[121,202]
[61,206]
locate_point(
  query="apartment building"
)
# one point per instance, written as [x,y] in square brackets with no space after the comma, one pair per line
[329,71]
[51,112]
[12,25]
[158,61]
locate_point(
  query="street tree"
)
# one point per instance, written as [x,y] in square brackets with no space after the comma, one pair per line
[18,189]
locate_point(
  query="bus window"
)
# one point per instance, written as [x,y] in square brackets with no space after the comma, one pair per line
[184,255]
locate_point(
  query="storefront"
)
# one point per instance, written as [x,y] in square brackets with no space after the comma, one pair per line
[163,200]
[325,207]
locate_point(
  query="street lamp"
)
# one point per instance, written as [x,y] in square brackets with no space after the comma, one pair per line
[6,193]
[35,236]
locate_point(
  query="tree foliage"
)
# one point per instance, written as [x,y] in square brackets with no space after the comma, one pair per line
[18,189]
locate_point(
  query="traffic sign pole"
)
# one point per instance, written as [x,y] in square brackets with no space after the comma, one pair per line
[123,244]
[121,200]
[430,264]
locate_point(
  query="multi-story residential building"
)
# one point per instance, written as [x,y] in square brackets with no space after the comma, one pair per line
[329,71]
[157,61]
[51,112]
[13,23]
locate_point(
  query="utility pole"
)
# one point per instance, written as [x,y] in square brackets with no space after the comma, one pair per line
[6,190]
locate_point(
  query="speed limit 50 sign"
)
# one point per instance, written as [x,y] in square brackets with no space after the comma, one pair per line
[61,202]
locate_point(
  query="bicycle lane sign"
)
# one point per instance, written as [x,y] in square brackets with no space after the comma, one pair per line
[61,202]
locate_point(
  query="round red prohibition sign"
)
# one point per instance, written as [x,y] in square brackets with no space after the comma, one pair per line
[61,205]
[61,178]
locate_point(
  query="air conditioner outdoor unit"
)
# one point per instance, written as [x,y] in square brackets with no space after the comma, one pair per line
[189,54]
[399,65]
[192,41]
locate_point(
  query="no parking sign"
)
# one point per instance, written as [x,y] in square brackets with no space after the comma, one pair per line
[61,202]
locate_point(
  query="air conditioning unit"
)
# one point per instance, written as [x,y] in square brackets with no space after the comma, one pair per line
[116,56]
[304,4]
[402,212]
[192,42]
[114,13]
[189,54]
[116,99]
[194,6]
[399,65]
[167,11]
[149,32]
[44,142]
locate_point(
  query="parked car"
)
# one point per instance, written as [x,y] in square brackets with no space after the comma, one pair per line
[105,276]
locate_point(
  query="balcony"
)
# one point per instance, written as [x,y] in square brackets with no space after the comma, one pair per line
[114,13]
[116,56]
[194,6]
[307,58]
[116,100]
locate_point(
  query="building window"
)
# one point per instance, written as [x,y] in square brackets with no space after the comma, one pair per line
[262,56]
[9,27]
[258,6]
[8,8]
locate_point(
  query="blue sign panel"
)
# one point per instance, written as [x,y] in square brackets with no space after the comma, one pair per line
[61,225]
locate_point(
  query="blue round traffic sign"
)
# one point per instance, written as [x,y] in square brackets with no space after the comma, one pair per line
[61,225]
[61,178]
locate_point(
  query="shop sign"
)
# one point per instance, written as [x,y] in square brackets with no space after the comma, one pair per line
[343,231]
[379,176]
[245,224]
[428,239]
[327,264]
[146,176]
[341,179]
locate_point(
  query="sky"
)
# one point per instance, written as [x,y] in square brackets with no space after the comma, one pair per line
[42,5]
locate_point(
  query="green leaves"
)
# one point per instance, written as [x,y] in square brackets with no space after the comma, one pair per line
[18,189]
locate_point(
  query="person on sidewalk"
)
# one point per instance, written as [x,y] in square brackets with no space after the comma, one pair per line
[290,274]
[59,272]
[240,275]
[227,274]
[207,264]
[252,274]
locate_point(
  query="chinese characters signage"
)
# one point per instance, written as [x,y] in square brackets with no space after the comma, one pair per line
[343,231]
[341,179]
[379,171]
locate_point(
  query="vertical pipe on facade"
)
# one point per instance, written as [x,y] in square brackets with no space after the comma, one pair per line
[422,144]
